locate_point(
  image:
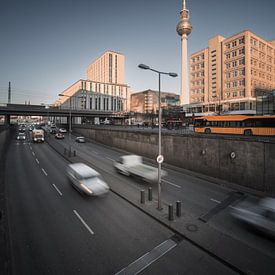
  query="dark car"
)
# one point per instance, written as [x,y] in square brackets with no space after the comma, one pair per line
[53,131]
[21,136]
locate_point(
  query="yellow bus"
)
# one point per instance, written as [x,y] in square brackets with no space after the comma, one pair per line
[236,125]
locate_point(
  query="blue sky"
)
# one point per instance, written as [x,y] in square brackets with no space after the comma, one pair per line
[46,45]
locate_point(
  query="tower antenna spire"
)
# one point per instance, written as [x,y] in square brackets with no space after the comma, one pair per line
[184,5]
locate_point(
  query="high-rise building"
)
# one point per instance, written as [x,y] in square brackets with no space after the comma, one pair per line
[226,75]
[108,68]
[103,90]
[184,28]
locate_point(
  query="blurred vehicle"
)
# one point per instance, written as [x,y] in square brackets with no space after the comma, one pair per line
[53,131]
[59,136]
[31,128]
[62,130]
[260,216]
[86,180]
[38,135]
[80,139]
[21,136]
[133,165]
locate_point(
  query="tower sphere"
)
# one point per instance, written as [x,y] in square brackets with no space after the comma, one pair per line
[184,27]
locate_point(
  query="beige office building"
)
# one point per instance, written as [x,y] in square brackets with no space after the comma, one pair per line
[147,101]
[108,68]
[103,90]
[226,74]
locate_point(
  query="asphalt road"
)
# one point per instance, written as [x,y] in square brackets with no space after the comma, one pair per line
[55,230]
[199,197]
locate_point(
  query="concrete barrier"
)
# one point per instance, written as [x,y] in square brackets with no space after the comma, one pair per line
[245,162]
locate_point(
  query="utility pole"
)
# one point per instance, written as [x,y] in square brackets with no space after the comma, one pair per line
[9,93]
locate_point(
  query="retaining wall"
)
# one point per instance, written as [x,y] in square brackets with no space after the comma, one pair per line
[248,163]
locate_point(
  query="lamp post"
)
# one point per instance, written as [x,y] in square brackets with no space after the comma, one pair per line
[160,157]
[219,102]
[70,122]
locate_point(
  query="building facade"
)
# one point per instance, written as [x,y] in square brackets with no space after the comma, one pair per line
[225,76]
[104,88]
[147,101]
[108,68]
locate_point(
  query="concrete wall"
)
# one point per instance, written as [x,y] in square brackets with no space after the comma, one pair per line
[252,167]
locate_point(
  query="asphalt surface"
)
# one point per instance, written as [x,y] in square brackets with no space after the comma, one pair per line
[55,230]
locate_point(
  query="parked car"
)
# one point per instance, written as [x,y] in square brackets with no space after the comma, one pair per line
[80,139]
[260,216]
[59,136]
[53,131]
[86,180]
[21,136]
[62,130]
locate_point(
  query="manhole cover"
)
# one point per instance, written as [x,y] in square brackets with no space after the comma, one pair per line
[191,227]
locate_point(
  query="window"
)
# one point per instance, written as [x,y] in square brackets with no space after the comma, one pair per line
[234,54]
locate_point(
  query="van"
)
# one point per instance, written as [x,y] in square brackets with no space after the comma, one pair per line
[86,180]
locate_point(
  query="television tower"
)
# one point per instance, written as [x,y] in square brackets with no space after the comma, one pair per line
[184,28]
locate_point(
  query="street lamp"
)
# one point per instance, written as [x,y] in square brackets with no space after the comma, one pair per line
[160,157]
[70,122]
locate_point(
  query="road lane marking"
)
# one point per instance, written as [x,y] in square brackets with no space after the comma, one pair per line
[57,189]
[95,152]
[110,159]
[33,153]
[83,222]
[215,200]
[147,259]
[44,172]
[30,147]
[37,161]
[166,181]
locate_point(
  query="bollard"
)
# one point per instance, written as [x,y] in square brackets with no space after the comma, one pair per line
[74,153]
[150,196]
[170,212]
[142,196]
[178,208]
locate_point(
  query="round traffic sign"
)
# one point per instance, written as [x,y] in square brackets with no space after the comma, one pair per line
[160,159]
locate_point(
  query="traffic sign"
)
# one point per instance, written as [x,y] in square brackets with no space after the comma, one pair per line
[160,159]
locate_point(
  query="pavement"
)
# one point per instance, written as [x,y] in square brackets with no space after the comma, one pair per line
[222,247]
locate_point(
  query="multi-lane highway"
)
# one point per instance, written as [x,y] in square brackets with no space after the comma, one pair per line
[55,230]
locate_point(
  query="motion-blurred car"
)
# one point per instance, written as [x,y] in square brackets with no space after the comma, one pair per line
[62,130]
[260,216]
[80,139]
[21,136]
[53,131]
[86,180]
[59,136]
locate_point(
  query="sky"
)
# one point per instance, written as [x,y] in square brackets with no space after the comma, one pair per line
[47,45]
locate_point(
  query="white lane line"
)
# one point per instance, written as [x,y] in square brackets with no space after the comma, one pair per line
[57,189]
[147,259]
[83,222]
[30,147]
[215,200]
[110,159]
[37,161]
[95,152]
[44,172]
[33,153]
[166,181]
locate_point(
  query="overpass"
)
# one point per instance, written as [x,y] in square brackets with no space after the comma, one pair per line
[8,110]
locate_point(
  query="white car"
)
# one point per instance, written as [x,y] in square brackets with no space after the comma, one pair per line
[62,130]
[80,139]
[86,180]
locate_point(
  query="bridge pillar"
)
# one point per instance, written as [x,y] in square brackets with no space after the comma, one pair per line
[7,120]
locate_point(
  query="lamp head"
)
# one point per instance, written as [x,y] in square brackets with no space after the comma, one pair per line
[173,74]
[143,66]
